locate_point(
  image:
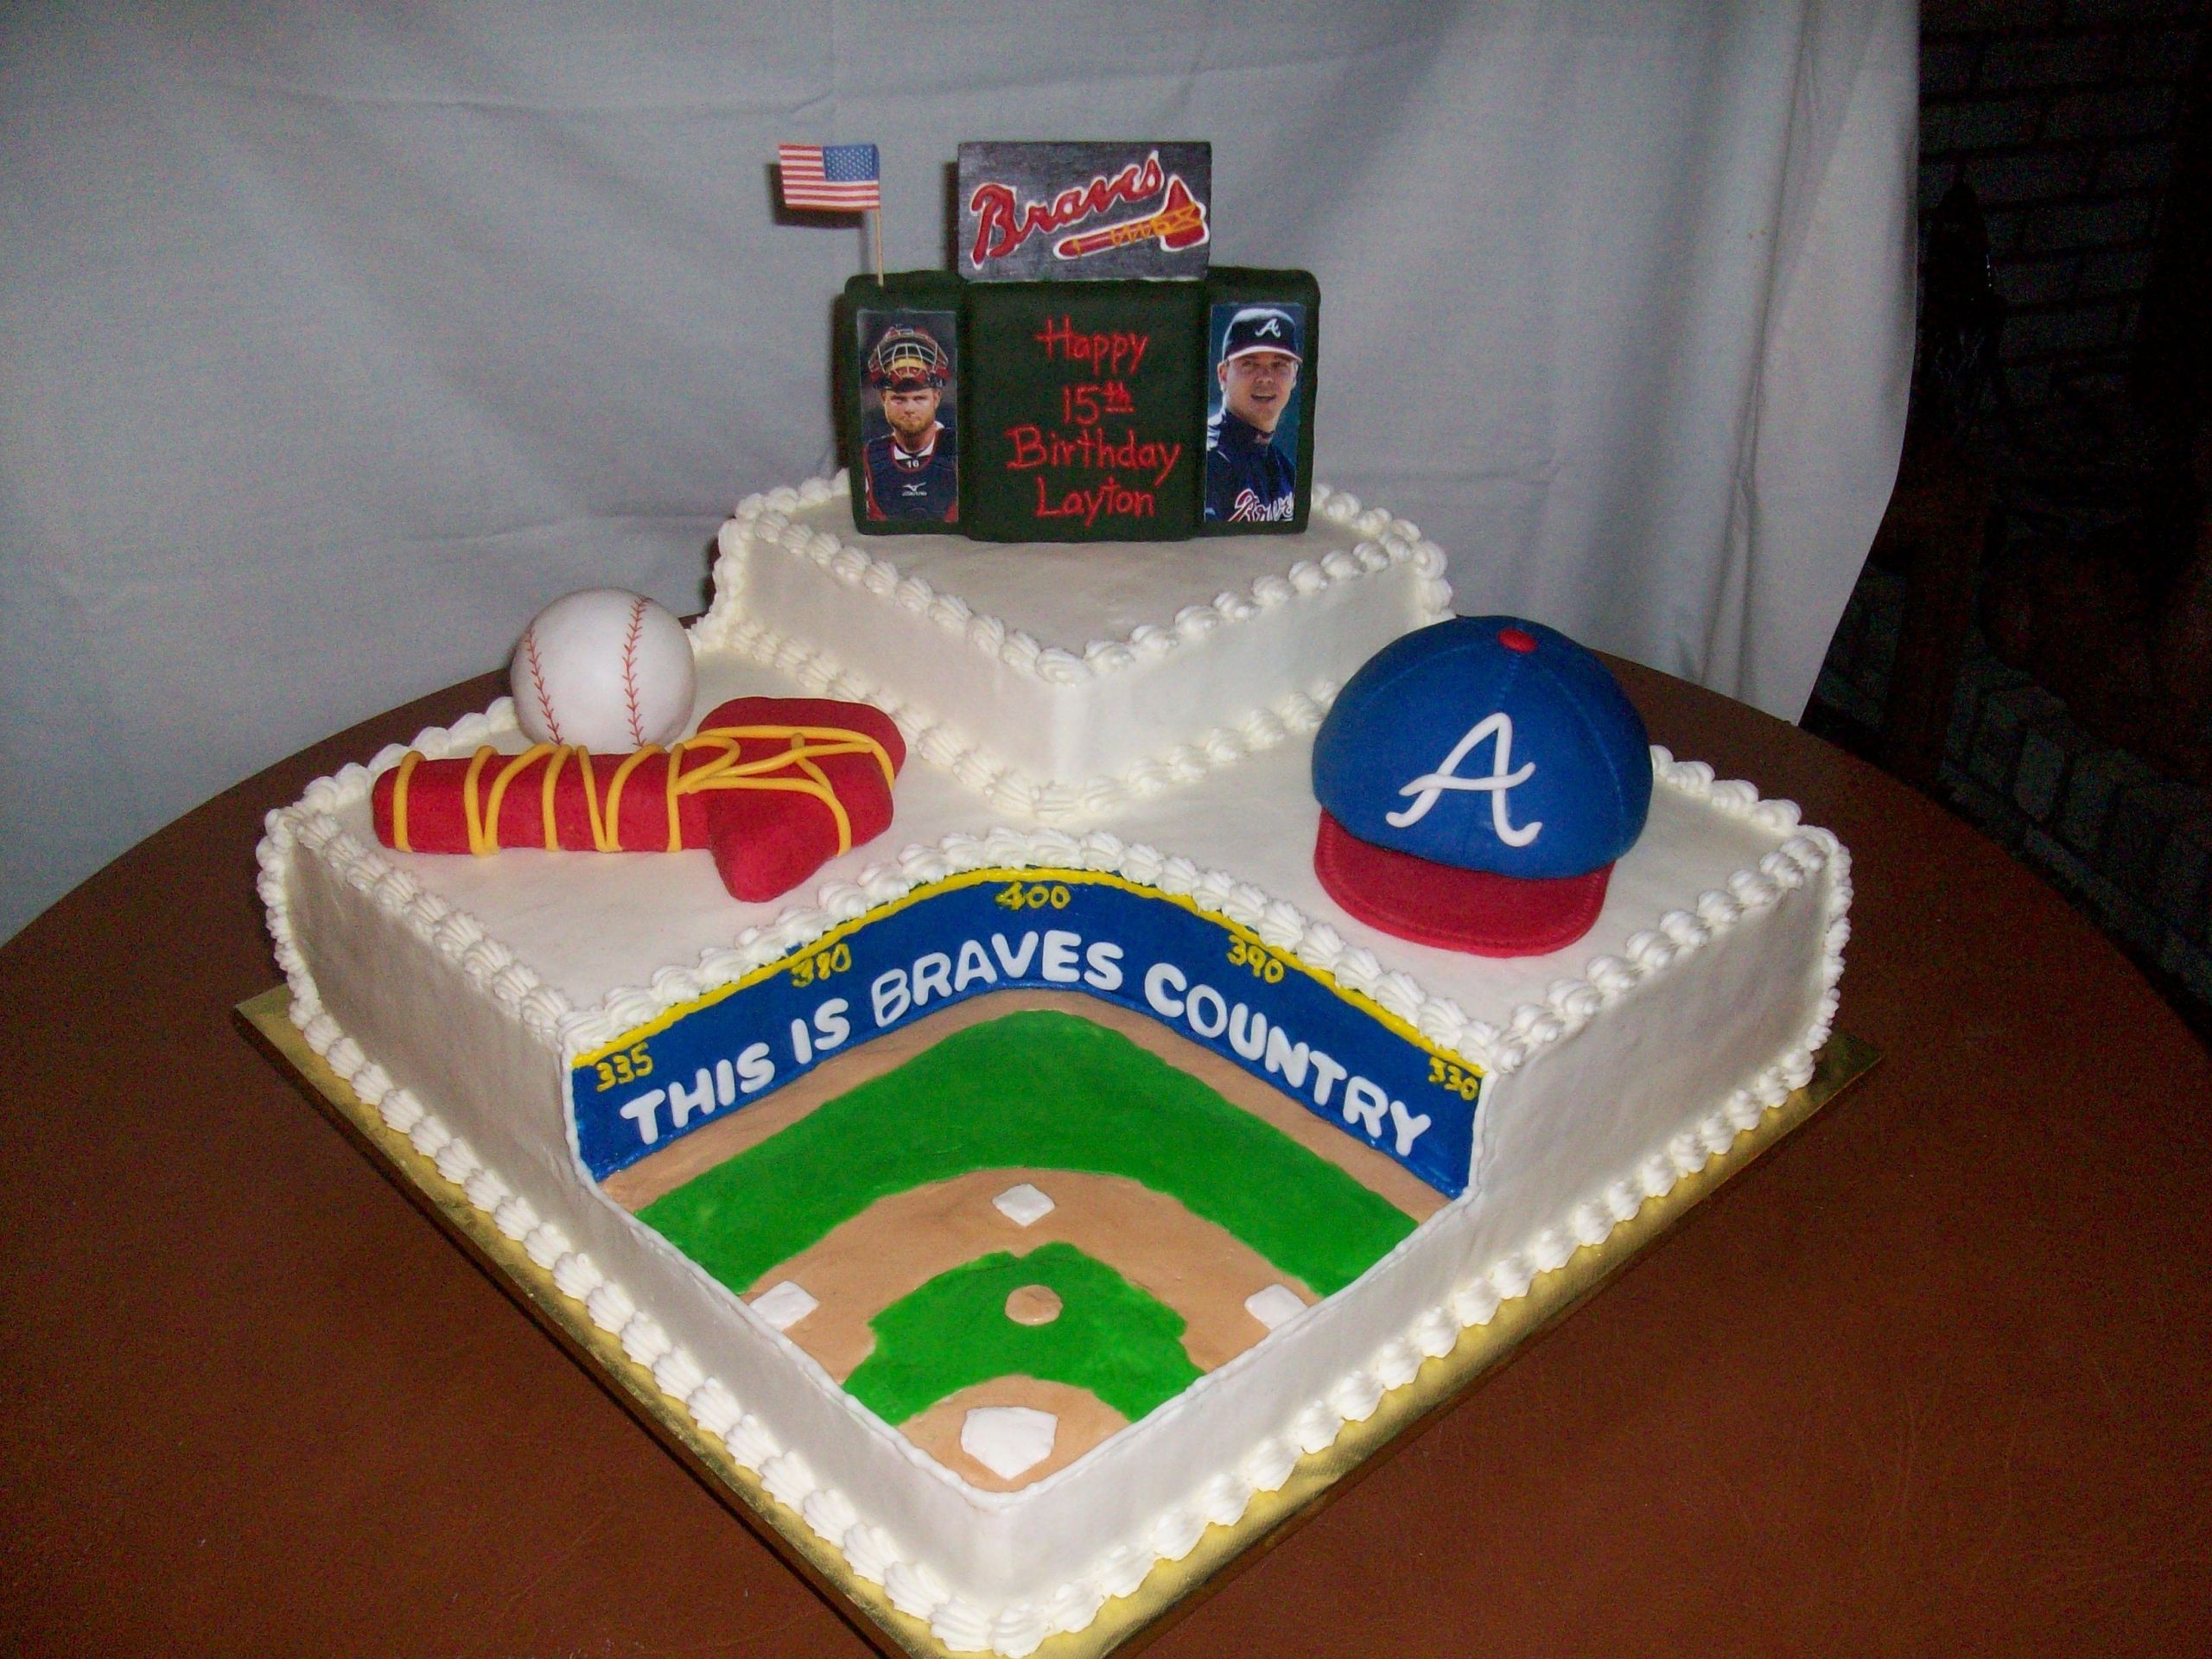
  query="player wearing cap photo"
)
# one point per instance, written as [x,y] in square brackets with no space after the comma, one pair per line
[911,471]
[1251,478]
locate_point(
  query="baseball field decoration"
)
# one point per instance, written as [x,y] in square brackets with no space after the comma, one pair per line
[1019,1156]
[603,669]
[774,787]
[1035,1220]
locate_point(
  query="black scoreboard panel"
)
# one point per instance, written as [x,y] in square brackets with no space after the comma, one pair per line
[1088,414]
[1078,410]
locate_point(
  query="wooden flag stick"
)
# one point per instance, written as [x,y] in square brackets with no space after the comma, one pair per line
[877,216]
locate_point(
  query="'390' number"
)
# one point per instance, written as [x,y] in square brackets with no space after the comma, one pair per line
[1265,966]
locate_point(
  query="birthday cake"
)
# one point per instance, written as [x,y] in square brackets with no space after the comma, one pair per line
[1262,976]
[1294,1153]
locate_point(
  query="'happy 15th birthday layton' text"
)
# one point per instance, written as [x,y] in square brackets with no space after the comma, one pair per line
[1084,441]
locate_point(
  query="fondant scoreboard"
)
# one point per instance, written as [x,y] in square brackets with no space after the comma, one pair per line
[1080,406]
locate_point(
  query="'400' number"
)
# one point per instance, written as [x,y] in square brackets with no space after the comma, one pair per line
[1445,1075]
[821,964]
[624,1065]
[1034,895]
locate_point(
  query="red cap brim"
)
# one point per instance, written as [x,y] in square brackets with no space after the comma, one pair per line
[1475,911]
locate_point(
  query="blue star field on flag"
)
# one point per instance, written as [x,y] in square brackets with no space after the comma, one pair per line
[840,178]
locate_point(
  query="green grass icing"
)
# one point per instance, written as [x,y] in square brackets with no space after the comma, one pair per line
[1047,1091]
[1110,1337]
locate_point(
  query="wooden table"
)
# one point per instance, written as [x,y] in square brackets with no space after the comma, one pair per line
[1934,1376]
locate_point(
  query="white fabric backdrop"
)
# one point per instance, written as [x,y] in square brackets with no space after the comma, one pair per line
[336,343]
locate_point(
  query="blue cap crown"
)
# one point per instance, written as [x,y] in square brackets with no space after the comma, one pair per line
[1260,328]
[1487,743]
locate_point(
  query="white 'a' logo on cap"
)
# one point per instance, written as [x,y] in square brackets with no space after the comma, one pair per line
[1502,779]
[1272,329]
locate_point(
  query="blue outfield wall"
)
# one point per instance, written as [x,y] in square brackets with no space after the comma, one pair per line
[1332,1050]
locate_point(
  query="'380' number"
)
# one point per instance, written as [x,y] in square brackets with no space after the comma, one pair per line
[821,964]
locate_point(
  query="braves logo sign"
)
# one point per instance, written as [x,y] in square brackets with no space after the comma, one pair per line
[1014,209]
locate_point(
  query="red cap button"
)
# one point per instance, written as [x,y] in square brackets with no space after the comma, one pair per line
[1517,639]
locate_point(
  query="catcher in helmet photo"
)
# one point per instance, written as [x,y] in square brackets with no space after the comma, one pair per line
[910,464]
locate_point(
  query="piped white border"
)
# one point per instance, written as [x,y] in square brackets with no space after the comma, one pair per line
[1385,541]
[1019,1628]
[1568,1004]
[766,521]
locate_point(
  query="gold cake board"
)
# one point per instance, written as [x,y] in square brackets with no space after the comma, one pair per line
[1174,1587]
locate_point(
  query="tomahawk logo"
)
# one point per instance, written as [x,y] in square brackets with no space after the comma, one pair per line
[1502,779]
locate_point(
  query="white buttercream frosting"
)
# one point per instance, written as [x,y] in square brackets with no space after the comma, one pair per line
[1221,1497]
[1561,1006]
[1062,754]
[765,520]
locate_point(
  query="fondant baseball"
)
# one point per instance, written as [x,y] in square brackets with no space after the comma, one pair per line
[603,669]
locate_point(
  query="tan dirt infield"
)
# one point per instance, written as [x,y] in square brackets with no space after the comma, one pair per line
[1193,1266]
[1086,1419]
[898,1244]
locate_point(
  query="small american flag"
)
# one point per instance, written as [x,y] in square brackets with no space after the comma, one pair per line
[842,178]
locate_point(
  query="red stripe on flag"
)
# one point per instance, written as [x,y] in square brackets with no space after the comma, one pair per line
[805,185]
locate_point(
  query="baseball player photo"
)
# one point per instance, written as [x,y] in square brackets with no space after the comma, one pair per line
[1252,418]
[910,460]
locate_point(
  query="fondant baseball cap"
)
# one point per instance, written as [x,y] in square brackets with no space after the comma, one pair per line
[1260,328]
[1477,779]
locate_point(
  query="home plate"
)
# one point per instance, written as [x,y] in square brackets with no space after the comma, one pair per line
[1009,1439]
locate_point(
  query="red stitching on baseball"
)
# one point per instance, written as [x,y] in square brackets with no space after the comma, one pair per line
[538,683]
[630,671]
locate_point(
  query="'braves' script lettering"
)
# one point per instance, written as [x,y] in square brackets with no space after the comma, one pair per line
[1004,221]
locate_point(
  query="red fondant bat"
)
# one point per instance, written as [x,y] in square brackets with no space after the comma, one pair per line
[774,787]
